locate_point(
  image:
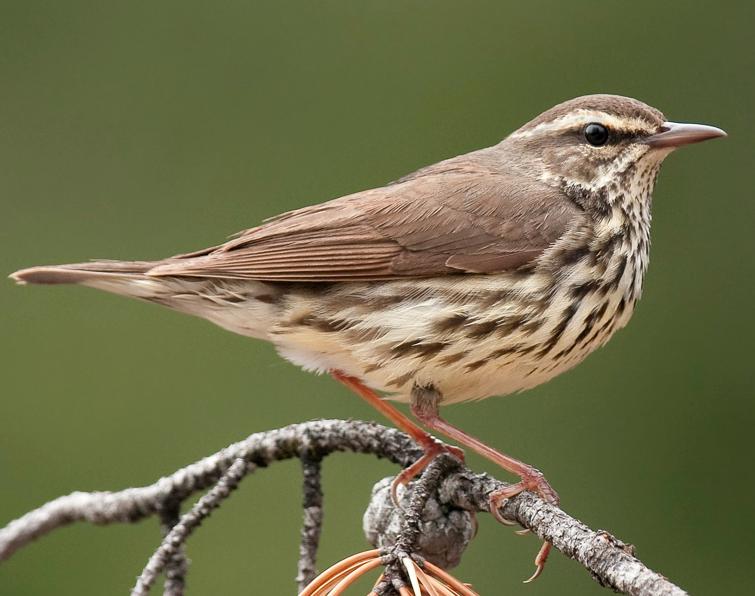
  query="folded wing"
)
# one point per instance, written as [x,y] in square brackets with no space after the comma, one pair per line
[452,222]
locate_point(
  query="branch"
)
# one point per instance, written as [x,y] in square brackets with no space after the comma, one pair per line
[177,566]
[312,523]
[179,533]
[610,561]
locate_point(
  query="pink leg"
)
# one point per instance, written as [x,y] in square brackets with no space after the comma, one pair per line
[425,408]
[429,444]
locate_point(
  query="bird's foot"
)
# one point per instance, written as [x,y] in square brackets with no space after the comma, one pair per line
[535,482]
[432,450]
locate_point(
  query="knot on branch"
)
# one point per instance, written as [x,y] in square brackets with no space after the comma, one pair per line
[445,530]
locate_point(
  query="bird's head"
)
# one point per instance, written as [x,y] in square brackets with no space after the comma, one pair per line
[600,143]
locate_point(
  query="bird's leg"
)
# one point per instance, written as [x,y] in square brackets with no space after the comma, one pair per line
[431,446]
[425,407]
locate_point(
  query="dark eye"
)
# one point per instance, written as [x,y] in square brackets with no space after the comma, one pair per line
[596,134]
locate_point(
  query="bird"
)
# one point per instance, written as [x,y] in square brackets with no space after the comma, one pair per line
[484,274]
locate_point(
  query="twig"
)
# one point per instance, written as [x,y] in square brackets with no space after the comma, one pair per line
[441,467]
[179,533]
[177,565]
[133,504]
[311,524]
[609,561]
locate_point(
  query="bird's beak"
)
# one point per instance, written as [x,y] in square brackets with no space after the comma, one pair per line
[674,134]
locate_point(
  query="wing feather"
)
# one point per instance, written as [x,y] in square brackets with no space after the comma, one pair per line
[451,220]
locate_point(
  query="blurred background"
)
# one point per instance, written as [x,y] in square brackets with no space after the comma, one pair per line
[143,129]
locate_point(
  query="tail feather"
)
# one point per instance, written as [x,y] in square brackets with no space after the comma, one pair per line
[80,273]
[127,278]
[236,305]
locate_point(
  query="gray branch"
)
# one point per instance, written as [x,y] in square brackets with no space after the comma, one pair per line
[177,566]
[611,562]
[312,522]
[179,533]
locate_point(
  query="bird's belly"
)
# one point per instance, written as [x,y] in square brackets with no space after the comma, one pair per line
[470,342]
[488,370]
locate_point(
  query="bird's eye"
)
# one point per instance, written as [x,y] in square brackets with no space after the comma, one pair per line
[596,134]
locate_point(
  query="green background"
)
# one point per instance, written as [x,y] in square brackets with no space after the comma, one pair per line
[142,129]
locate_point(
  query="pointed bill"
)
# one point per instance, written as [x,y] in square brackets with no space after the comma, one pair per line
[676,134]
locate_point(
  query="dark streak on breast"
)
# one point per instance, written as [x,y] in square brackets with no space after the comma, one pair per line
[417,348]
[556,334]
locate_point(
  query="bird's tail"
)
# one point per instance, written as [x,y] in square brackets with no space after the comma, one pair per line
[242,306]
[127,278]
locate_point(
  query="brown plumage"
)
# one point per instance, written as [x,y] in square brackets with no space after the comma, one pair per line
[471,219]
[481,275]
[460,219]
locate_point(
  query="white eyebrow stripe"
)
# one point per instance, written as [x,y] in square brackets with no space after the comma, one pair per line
[582,117]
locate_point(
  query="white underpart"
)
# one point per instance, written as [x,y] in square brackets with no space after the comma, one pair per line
[413,321]
[203,298]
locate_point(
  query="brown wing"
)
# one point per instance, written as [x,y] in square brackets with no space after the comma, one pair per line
[435,223]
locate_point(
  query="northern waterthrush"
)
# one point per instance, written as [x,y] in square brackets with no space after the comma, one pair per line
[481,275]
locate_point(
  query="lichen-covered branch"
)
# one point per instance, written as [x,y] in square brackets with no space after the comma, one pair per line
[132,504]
[180,532]
[177,565]
[610,561]
[311,523]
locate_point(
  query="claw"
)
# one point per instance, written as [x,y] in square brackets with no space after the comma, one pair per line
[499,499]
[476,523]
[543,489]
[495,509]
[407,474]
[457,452]
[540,559]
[535,575]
